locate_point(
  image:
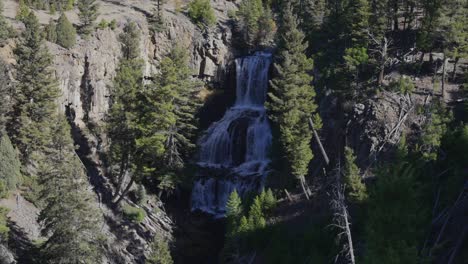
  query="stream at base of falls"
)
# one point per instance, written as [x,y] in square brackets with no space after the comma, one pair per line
[233,153]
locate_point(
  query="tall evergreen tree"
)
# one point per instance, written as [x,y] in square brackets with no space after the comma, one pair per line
[233,213]
[88,15]
[169,124]
[122,119]
[292,96]
[66,33]
[36,90]
[357,19]
[69,219]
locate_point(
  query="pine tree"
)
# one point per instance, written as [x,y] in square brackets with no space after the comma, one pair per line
[269,202]
[156,21]
[355,188]
[36,91]
[397,217]
[51,32]
[250,13]
[66,33]
[292,96]
[88,15]
[357,19]
[256,218]
[122,119]
[69,219]
[233,213]
[130,41]
[168,124]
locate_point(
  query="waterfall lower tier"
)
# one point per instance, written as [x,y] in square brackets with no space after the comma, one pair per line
[234,151]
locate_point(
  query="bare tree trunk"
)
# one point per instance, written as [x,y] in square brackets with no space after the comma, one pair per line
[125,191]
[341,216]
[322,149]
[304,189]
[454,68]
[444,71]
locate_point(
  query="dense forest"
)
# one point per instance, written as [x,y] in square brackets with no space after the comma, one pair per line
[222,131]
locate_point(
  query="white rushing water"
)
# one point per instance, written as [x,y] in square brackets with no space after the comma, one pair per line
[234,151]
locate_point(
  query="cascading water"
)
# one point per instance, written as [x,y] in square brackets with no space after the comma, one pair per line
[233,152]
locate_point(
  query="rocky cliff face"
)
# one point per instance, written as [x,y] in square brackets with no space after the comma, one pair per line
[85,73]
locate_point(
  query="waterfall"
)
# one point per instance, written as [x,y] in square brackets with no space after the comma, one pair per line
[233,153]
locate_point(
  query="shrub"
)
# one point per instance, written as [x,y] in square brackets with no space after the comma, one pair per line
[4,229]
[113,24]
[133,214]
[160,253]
[50,32]
[201,12]
[103,24]
[66,33]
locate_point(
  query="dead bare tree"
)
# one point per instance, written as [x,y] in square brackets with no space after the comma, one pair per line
[341,217]
[319,143]
[381,48]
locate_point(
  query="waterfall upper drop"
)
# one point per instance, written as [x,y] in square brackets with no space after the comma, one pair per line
[234,151]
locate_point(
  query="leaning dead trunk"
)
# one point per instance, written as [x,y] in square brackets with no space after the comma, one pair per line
[319,143]
[341,217]
[125,191]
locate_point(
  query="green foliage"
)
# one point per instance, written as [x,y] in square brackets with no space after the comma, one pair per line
[70,221]
[10,166]
[51,32]
[357,21]
[23,11]
[256,218]
[169,104]
[156,21]
[433,131]
[404,85]
[103,24]
[312,243]
[88,13]
[355,188]
[133,214]
[233,213]
[201,12]
[292,96]
[122,116]
[66,33]
[5,94]
[36,91]
[256,22]
[160,253]
[113,24]
[130,40]
[4,229]
[6,31]
[355,57]
[397,217]
[402,149]
[268,200]
[52,5]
